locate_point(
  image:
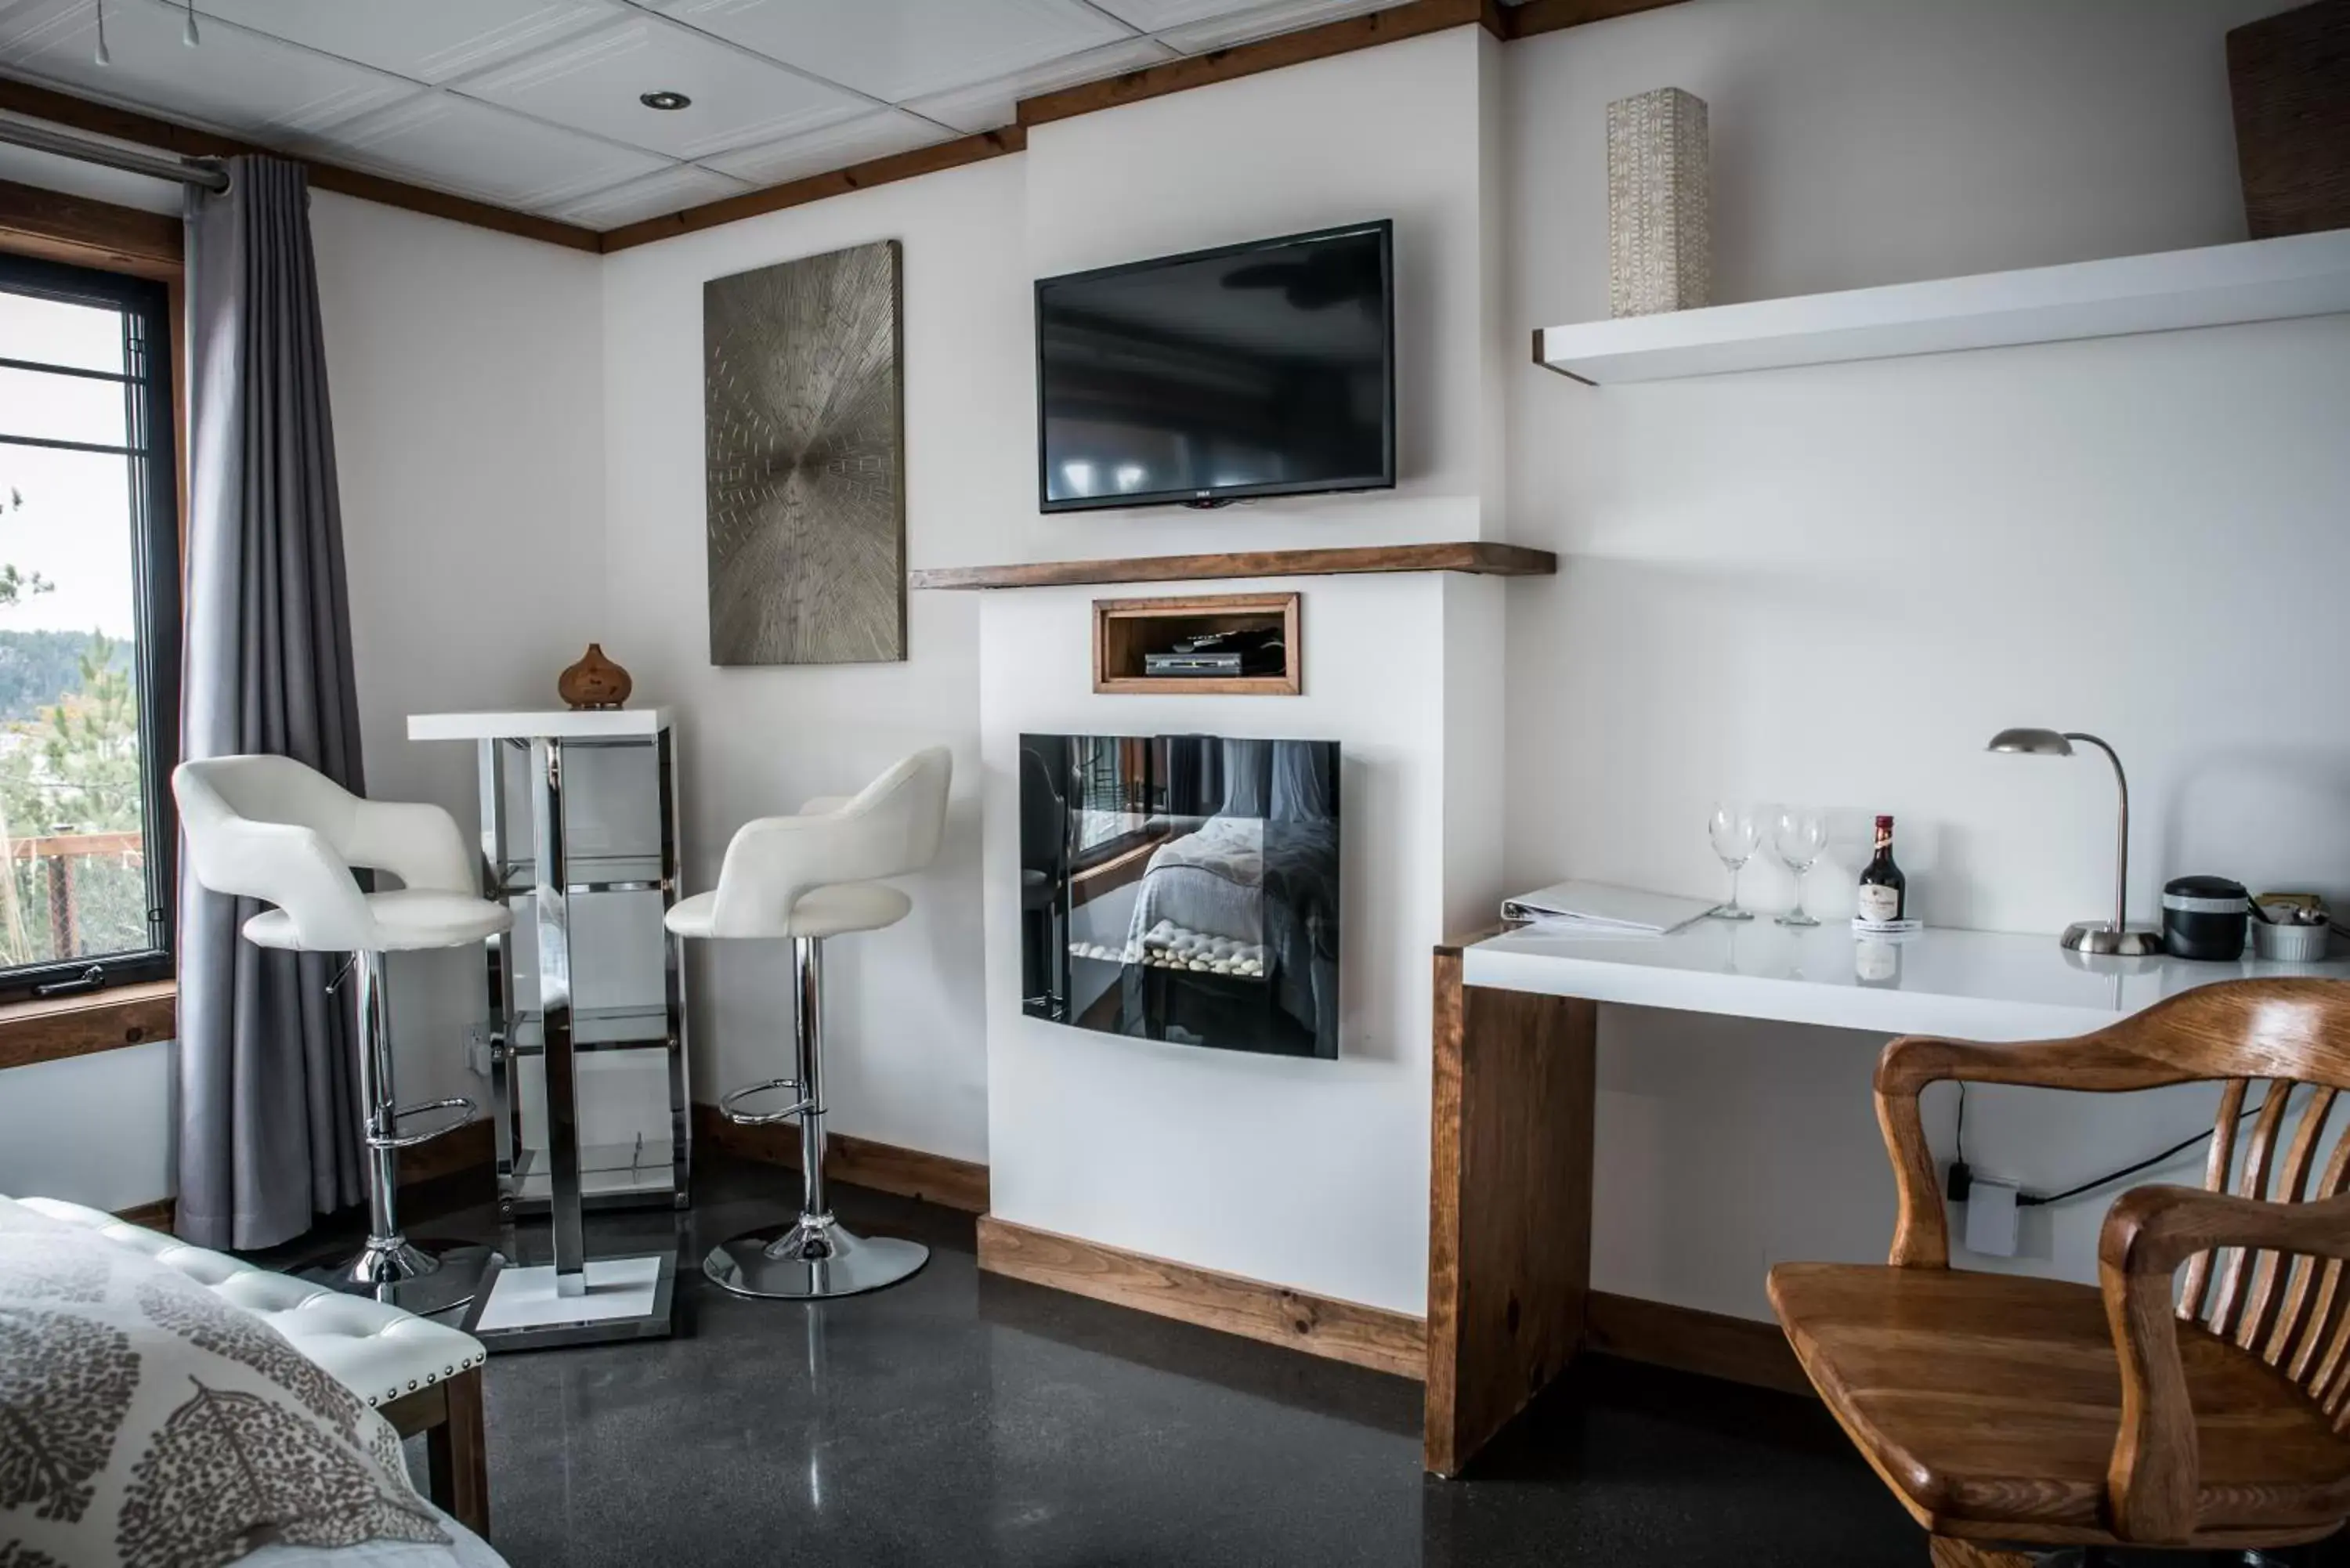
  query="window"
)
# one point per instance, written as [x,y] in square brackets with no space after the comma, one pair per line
[90,628]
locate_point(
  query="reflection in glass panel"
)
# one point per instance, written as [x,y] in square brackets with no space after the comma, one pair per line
[1183,888]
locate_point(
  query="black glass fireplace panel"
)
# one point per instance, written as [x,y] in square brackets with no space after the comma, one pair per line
[1183,888]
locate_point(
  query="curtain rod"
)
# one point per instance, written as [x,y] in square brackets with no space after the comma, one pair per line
[205,173]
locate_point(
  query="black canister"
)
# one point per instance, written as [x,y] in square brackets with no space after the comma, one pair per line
[2203,918]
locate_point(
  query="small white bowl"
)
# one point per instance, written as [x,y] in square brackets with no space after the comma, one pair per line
[2291,944]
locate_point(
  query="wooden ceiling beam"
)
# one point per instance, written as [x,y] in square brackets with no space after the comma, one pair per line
[1344,36]
[1535,16]
[188,141]
[862,176]
[1412,20]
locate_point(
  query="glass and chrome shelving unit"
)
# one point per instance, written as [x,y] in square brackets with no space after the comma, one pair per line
[627,807]
[579,834]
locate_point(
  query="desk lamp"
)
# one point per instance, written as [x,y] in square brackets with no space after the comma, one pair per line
[2092,936]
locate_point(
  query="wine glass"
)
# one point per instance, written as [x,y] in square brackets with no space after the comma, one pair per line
[1797,837]
[1735,834]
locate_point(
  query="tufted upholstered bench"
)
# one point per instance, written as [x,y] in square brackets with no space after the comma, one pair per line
[420,1376]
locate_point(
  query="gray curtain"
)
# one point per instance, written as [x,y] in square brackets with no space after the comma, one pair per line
[270,1113]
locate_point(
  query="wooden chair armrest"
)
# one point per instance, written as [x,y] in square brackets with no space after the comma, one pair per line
[1921,1238]
[2151,1480]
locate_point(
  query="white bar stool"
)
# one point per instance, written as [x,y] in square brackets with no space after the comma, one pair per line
[271,829]
[807,877]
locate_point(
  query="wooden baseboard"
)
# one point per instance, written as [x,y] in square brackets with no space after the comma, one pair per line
[470,1148]
[862,1162]
[1368,1337]
[1736,1349]
[155,1216]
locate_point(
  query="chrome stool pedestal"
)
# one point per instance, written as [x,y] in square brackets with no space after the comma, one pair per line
[392,1268]
[814,1257]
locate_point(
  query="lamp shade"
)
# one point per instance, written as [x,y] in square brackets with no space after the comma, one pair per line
[2032,742]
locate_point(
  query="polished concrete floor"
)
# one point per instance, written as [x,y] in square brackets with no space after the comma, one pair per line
[965,1419]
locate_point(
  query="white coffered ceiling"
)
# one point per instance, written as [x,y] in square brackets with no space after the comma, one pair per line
[533,104]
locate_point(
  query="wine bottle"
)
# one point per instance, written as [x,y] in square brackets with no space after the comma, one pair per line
[1884,891]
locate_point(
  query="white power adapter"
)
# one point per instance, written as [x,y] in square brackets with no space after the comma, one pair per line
[1991,1217]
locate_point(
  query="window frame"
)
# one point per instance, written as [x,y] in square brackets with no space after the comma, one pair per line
[152,424]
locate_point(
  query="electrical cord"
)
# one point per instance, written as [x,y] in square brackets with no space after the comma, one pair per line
[1961,1177]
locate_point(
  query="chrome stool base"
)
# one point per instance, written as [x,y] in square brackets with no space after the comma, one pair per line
[412,1278]
[812,1259]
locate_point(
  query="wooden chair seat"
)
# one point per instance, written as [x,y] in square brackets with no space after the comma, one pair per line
[1990,1403]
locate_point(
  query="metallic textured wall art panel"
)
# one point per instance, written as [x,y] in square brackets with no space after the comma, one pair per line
[804,432]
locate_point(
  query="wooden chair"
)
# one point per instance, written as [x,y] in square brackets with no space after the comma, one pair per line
[2006,1411]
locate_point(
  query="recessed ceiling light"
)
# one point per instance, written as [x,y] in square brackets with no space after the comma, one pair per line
[664,100]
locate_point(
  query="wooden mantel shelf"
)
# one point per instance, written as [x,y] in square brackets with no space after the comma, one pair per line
[1478,557]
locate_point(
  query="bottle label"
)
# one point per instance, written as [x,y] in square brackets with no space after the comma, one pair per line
[1879,903]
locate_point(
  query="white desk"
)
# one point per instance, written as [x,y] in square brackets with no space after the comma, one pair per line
[1974,985]
[1510,1148]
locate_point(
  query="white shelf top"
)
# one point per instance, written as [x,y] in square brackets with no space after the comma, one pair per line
[553,723]
[2259,280]
[1971,985]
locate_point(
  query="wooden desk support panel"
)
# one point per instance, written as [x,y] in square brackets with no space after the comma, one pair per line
[1509,1235]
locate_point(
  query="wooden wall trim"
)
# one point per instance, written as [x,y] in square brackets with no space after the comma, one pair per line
[188,141]
[1384,1341]
[1482,557]
[474,1147]
[155,1216]
[1341,38]
[862,1162]
[59,226]
[1735,1349]
[1413,19]
[1537,17]
[57,1028]
[863,176]
[471,1147]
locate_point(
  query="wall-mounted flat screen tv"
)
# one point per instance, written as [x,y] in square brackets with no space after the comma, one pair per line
[1256,369]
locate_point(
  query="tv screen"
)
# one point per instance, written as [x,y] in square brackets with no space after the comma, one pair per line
[1256,369]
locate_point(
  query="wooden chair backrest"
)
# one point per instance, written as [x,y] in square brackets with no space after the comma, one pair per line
[2282,1035]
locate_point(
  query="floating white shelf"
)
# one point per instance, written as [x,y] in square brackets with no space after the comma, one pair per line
[2260,280]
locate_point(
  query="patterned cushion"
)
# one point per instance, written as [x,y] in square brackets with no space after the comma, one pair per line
[149,1423]
[377,1351]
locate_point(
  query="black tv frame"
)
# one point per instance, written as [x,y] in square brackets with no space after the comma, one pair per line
[1386,479]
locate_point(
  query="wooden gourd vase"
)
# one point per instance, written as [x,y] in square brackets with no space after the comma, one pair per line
[595,682]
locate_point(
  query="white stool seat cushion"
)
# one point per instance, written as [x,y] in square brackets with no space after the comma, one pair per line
[375,1350]
[833,911]
[405,920]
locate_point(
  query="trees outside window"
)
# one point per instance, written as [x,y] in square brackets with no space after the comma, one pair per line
[88,629]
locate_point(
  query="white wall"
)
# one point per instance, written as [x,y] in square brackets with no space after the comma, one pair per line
[906,1061]
[1391,132]
[1825,586]
[1309,1173]
[1831,585]
[465,368]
